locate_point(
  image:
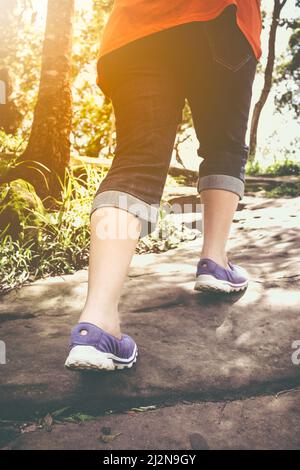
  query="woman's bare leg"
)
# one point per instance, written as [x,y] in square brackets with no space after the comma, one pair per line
[219,207]
[114,235]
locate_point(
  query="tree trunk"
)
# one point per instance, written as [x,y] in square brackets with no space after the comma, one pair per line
[268,78]
[48,152]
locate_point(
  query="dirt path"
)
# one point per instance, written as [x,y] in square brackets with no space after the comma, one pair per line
[192,347]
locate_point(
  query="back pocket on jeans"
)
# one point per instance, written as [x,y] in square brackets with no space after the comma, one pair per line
[229,46]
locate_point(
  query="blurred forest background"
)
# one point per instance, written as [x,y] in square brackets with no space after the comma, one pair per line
[57,133]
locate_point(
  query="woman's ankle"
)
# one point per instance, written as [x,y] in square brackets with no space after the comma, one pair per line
[108,322]
[220,259]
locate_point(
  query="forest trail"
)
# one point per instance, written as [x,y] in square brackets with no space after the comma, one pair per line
[194,349]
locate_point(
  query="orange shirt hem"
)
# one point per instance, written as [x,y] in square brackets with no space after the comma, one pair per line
[165,25]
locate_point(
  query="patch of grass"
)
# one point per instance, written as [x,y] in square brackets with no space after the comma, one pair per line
[286,167]
[284,190]
[10,147]
[176,180]
[78,418]
[16,260]
[11,144]
[35,242]
[166,236]
[253,168]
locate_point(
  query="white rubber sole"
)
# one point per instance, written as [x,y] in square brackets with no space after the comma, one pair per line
[207,283]
[89,358]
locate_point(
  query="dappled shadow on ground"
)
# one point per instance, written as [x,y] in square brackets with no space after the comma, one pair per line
[190,344]
[267,422]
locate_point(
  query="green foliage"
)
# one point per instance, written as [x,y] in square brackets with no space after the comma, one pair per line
[22,35]
[288,72]
[10,143]
[16,259]
[20,52]
[253,168]
[88,27]
[10,147]
[36,243]
[167,235]
[20,209]
[78,418]
[285,168]
[93,123]
[285,190]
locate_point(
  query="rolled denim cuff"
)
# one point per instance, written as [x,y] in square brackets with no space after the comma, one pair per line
[147,213]
[225,182]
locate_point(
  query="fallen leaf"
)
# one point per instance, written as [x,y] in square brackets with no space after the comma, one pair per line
[29,428]
[109,438]
[78,418]
[47,422]
[142,409]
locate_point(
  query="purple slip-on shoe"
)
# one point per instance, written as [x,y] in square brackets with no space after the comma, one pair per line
[93,348]
[211,277]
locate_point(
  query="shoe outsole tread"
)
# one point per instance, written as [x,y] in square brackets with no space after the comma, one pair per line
[107,365]
[229,290]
